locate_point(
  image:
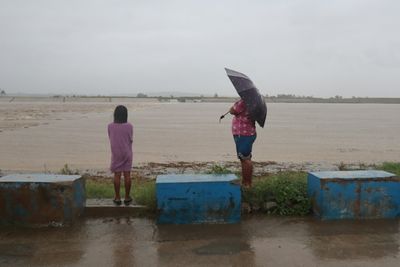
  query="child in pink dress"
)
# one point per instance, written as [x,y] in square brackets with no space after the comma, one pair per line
[120,133]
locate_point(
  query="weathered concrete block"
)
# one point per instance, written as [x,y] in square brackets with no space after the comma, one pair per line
[354,194]
[41,198]
[187,199]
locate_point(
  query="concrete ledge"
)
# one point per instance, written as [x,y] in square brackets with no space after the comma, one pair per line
[198,198]
[368,194]
[106,208]
[40,199]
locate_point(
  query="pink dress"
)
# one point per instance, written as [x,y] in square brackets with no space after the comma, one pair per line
[121,137]
[242,124]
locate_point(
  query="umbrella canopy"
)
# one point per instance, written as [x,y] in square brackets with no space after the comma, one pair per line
[255,102]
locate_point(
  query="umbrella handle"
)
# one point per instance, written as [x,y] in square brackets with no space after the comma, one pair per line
[223,116]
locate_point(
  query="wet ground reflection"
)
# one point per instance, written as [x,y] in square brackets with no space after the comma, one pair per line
[363,239]
[41,246]
[201,245]
[257,241]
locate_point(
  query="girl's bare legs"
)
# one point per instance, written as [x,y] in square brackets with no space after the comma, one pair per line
[128,183]
[117,184]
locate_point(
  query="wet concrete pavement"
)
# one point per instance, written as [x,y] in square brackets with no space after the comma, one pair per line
[257,241]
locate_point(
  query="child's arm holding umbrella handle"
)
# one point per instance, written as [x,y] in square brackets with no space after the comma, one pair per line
[223,116]
[231,111]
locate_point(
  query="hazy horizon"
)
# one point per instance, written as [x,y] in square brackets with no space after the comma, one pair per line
[177,94]
[301,47]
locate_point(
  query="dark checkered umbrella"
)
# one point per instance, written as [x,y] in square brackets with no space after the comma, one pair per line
[255,102]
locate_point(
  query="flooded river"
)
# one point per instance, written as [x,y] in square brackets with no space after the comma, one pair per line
[43,136]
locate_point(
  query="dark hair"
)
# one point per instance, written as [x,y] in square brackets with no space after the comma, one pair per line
[120,114]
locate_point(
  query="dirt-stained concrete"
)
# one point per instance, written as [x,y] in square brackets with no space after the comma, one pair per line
[257,241]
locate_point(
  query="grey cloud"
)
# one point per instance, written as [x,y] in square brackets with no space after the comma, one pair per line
[304,47]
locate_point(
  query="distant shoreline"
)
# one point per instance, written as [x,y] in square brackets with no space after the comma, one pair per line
[199,99]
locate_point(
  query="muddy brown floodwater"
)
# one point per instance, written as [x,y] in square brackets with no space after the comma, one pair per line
[43,136]
[256,241]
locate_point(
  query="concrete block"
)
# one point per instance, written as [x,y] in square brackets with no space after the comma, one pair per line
[354,194]
[106,208]
[193,199]
[41,198]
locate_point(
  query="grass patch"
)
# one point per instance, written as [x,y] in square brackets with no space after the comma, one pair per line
[66,170]
[287,190]
[100,189]
[218,169]
[393,167]
[144,193]
[284,193]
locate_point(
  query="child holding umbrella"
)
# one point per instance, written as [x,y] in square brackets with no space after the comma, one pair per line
[244,135]
[249,109]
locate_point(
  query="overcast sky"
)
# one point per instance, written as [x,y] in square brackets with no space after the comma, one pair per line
[303,47]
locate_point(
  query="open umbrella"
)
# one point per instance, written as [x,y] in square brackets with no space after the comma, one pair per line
[255,102]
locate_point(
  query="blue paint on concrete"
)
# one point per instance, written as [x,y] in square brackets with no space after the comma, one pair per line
[198,178]
[39,178]
[67,205]
[190,199]
[41,198]
[341,202]
[385,199]
[354,194]
[79,195]
[20,211]
[352,174]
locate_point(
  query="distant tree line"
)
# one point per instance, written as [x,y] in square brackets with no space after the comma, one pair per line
[288,96]
[141,95]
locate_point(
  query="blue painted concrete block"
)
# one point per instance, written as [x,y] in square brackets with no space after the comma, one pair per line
[191,199]
[354,194]
[41,198]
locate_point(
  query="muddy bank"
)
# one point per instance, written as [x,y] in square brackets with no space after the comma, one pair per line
[152,169]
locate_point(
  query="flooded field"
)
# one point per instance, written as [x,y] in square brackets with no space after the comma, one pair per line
[44,135]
